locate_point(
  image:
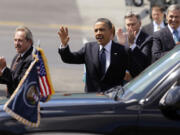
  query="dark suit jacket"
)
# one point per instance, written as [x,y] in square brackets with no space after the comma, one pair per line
[12,78]
[89,54]
[142,51]
[162,43]
[149,28]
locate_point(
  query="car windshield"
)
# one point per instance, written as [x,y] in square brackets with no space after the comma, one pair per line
[142,84]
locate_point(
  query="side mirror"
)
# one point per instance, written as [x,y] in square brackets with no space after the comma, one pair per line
[170,103]
[171,98]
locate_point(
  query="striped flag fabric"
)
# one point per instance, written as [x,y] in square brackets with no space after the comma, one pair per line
[46,87]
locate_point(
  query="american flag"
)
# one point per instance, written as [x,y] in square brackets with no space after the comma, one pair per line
[45,84]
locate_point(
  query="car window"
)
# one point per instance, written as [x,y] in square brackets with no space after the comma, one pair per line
[142,84]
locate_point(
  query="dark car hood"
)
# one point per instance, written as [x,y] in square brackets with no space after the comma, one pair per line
[78,99]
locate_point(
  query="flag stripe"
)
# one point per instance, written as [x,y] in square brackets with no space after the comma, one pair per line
[44,87]
[49,88]
[41,87]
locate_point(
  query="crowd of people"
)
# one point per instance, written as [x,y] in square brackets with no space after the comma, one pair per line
[114,58]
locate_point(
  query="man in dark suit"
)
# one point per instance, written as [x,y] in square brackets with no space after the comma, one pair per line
[23,41]
[166,39]
[101,73]
[137,40]
[157,14]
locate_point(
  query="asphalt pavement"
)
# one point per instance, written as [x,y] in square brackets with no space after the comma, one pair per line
[44,19]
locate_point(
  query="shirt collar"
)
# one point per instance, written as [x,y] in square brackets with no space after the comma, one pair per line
[178,29]
[161,24]
[107,46]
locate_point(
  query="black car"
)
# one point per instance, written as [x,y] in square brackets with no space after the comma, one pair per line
[149,104]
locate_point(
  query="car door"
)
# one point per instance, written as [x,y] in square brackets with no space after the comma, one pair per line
[152,119]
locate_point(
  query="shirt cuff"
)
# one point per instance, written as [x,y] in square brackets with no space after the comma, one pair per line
[133,46]
[61,46]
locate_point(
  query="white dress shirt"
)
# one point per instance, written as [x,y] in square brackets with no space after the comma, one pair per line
[107,52]
[155,25]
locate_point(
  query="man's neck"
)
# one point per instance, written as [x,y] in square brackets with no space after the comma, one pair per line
[158,22]
[22,54]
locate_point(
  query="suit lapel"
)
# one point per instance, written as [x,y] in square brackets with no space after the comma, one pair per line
[141,38]
[114,54]
[95,56]
[169,35]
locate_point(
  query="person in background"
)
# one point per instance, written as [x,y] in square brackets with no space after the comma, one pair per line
[167,38]
[157,13]
[105,61]
[135,39]
[23,43]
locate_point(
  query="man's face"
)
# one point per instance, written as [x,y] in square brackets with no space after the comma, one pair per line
[157,15]
[20,42]
[103,33]
[132,24]
[173,18]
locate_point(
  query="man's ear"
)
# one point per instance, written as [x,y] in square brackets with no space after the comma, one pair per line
[31,42]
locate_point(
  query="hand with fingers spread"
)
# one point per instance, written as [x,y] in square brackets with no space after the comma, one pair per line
[121,36]
[131,36]
[63,35]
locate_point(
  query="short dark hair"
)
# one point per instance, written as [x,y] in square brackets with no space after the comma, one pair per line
[161,8]
[106,21]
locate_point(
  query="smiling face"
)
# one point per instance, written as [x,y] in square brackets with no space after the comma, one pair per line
[20,42]
[103,33]
[173,18]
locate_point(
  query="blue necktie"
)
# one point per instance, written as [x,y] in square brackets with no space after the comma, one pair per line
[103,61]
[175,36]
